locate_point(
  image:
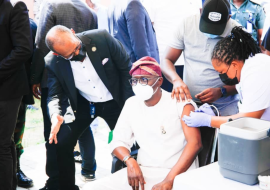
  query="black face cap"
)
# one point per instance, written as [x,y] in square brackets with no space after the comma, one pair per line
[214,17]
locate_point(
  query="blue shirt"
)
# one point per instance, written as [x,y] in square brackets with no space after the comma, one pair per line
[131,25]
[250,15]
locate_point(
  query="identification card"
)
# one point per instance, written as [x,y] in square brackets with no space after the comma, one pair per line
[249,23]
[92,110]
[249,27]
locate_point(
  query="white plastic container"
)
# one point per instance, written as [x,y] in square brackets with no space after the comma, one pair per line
[264,182]
[246,128]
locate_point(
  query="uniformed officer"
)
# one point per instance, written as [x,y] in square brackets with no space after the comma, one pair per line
[250,14]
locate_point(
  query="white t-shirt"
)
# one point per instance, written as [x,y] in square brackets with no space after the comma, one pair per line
[145,125]
[254,86]
[166,16]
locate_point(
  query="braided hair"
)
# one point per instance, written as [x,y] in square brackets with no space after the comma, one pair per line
[238,46]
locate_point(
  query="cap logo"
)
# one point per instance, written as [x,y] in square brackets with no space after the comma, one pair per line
[214,16]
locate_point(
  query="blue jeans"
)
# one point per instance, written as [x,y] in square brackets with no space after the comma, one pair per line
[88,149]
[227,110]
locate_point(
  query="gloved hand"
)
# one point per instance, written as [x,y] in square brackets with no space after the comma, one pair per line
[206,108]
[197,119]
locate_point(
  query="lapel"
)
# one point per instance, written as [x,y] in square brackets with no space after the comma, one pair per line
[68,78]
[93,55]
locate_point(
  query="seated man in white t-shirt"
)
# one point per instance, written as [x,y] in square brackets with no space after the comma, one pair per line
[167,146]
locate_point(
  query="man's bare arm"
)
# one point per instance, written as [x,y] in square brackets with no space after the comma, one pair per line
[191,150]
[180,89]
[135,175]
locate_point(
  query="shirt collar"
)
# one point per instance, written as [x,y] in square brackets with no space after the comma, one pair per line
[76,62]
[246,1]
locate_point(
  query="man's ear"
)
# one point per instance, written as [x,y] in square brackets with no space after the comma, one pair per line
[73,32]
[160,80]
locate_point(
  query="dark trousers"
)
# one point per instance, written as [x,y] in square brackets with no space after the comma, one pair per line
[88,152]
[19,131]
[86,142]
[51,158]
[8,117]
[69,134]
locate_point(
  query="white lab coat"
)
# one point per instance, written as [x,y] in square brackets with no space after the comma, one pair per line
[254,88]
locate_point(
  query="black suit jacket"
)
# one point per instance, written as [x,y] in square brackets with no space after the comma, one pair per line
[29,98]
[15,49]
[114,74]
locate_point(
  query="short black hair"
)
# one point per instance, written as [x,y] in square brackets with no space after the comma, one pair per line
[238,46]
[58,29]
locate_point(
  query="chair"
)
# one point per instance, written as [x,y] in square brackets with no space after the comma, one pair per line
[118,164]
[209,153]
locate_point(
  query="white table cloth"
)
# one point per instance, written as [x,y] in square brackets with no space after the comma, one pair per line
[208,178]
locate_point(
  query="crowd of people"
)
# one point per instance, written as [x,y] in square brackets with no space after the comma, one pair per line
[85,61]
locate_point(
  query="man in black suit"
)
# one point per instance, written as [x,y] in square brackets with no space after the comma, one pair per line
[15,49]
[23,180]
[91,69]
[72,14]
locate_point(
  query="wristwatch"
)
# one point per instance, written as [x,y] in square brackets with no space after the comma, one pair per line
[223,92]
[126,158]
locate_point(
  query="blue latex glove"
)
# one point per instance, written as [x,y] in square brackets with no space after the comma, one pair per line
[206,108]
[197,119]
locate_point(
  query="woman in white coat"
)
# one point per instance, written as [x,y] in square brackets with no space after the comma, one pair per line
[238,60]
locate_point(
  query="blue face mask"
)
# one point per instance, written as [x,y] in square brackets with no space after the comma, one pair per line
[211,35]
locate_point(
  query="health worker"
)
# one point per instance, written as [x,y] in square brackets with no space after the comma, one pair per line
[240,62]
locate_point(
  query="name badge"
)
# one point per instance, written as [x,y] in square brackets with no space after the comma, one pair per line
[92,110]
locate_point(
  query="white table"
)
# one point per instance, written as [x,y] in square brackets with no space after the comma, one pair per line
[208,178]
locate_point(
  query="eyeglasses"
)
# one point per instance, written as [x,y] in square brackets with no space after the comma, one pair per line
[143,81]
[71,55]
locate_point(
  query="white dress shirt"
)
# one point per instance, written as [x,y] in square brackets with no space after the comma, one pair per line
[88,82]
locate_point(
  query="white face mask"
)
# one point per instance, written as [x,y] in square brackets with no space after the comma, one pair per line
[144,92]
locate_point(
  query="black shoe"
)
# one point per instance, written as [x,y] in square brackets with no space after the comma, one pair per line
[44,188]
[47,188]
[88,177]
[77,157]
[23,180]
